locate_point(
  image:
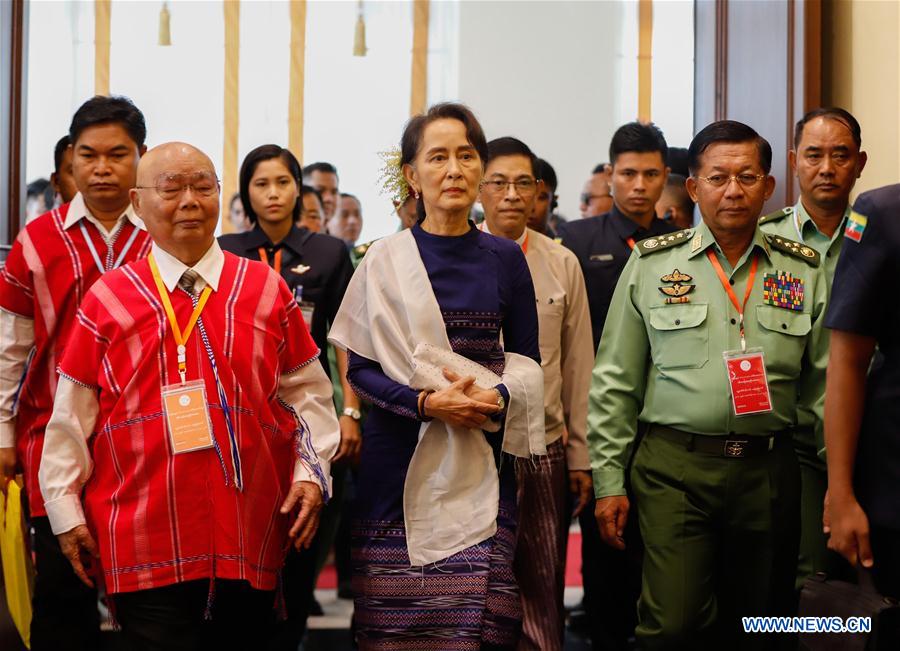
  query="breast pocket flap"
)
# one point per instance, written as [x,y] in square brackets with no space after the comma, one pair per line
[779,319]
[677,317]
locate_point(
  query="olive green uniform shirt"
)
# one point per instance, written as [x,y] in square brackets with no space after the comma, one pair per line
[662,363]
[794,222]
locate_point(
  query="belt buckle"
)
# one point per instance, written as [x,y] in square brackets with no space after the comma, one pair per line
[736,448]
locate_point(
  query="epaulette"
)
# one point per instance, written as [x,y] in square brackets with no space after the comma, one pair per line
[660,242]
[360,250]
[775,216]
[796,249]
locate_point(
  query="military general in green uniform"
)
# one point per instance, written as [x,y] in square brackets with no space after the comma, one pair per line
[827,160]
[709,333]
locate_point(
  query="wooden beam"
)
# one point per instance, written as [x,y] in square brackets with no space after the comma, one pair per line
[16,71]
[721,111]
[645,59]
[102,18]
[232,9]
[297,78]
[419,77]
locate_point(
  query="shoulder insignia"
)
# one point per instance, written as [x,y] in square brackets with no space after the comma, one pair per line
[796,249]
[856,224]
[775,216]
[660,242]
[360,250]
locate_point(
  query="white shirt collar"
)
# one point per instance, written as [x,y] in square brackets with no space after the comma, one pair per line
[78,211]
[520,241]
[209,268]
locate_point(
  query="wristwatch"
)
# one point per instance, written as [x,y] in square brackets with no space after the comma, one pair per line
[353,413]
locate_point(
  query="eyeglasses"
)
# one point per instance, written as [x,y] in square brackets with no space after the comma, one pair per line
[524,187]
[721,180]
[170,186]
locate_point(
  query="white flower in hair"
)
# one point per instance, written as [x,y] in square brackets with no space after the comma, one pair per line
[393,182]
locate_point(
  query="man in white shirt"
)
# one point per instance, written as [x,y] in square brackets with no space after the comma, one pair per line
[54,261]
[192,422]
[508,193]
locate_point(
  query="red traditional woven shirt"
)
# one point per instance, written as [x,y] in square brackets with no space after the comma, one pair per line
[161,518]
[48,272]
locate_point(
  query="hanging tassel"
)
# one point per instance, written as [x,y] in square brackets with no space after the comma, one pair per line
[359,39]
[165,34]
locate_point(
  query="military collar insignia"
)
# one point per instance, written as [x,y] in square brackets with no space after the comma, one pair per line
[660,242]
[796,249]
[697,242]
[775,216]
[678,291]
[782,289]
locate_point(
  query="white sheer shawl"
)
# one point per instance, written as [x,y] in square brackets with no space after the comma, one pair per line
[390,315]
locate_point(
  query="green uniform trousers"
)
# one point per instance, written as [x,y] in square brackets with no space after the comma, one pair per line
[721,538]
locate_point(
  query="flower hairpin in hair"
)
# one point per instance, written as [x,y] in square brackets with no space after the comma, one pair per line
[393,182]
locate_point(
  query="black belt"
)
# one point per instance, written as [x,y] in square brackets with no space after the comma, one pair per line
[735,446]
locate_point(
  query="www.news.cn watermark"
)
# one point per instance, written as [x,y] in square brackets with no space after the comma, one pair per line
[807,624]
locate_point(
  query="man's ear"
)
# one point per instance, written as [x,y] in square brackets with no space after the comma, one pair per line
[690,184]
[770,186]
[135,197]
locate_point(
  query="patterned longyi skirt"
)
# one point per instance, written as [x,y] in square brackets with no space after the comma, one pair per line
[469,602]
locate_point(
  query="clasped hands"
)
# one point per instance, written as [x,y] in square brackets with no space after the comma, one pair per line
[463,403]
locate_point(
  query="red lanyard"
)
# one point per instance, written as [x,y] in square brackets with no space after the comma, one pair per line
[728,290]
[265,258]
[630,241]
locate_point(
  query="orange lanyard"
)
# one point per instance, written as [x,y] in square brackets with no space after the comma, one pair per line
[265,258]
[180,338]
[728,290]
[630,241]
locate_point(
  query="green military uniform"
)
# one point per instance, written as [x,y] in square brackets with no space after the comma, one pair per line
[358,252]
[795,223]
[720,532]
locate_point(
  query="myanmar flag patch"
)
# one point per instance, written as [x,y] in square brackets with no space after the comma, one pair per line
[856,224]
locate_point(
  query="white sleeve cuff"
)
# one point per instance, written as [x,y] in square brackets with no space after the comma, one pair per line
[302,473]
[8,434]
[65,513]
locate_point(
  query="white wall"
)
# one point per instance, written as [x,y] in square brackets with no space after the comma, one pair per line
[560,75]
[545,72]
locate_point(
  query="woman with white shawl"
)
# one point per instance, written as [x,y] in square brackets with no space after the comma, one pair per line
[422,319]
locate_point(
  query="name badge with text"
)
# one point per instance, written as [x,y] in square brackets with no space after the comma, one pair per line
[748,382]
[187,416]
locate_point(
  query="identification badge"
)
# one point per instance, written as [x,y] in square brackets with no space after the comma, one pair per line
[307,309]
[187,416]
[748,381]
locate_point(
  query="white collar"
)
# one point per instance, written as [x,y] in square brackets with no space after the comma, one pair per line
[209,268]
[78,211]
[520,240]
